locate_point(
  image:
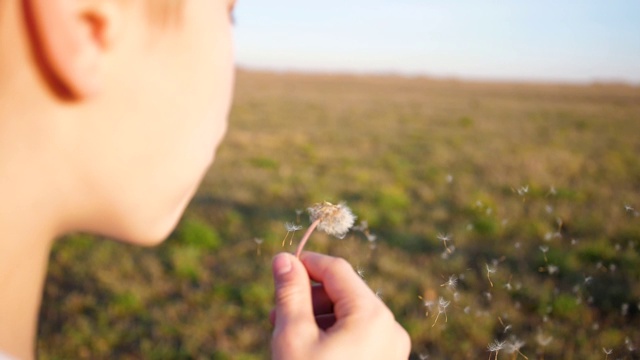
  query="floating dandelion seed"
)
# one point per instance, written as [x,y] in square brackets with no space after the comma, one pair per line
[628,208]
[506,327]
[451,283]
[629,344]
[544,250]
[258,242]
[442,309]
[495,346]
[523,190]
[334,220]
[490,270]
[428,304]
[360,272]
[444,238]
[543,340]
[514,346]
[291,229]
[607,352]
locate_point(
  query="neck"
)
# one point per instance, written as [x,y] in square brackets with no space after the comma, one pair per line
[24,252]
[27,229]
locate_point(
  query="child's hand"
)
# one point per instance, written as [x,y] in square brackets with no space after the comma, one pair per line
[343,319]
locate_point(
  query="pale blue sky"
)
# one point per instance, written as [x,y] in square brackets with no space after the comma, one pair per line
[543,40]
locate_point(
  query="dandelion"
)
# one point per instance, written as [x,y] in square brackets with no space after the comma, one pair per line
[451,283]
[291,229]
[334,220]
[628,208]
[607,352]
[490,270]
[444,238]
[442,309]
[552,269]
[360,272]
[495,346]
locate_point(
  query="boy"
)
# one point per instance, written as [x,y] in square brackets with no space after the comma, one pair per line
[110,114]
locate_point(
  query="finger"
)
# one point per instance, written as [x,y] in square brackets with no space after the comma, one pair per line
[343,286]
[292,293]
[321,302]
[322,305]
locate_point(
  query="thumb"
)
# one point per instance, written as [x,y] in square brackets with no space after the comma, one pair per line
[293,294]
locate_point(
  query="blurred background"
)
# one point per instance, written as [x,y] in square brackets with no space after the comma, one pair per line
[492,151]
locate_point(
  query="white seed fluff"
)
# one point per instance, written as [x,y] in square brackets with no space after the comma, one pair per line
[335,220]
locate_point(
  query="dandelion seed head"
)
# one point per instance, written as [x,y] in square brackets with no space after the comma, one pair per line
[334,220]
[607,351]
[552,269]
[544,248]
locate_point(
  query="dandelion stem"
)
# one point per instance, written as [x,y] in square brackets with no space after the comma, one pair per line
[306,236]
[489,277]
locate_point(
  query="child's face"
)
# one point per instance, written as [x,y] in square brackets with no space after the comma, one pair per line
[151,132]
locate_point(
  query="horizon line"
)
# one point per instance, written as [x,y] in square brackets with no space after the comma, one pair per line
[434,76]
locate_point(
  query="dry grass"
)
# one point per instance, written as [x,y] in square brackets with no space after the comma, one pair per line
[388,146]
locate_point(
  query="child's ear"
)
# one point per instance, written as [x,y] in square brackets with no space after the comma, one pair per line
[70,38]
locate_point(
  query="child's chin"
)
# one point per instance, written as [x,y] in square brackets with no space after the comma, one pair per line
[152,233]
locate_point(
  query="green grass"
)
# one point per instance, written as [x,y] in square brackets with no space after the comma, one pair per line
[415,158]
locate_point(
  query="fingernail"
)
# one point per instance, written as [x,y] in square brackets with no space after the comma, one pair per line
[281,264]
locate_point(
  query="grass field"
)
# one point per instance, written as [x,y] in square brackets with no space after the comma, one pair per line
[515,203]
